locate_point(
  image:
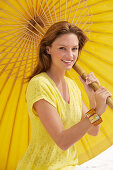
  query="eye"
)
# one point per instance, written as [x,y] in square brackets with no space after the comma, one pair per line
[62,48]
[75,49]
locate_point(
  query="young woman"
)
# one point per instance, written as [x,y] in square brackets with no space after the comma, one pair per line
[59,118]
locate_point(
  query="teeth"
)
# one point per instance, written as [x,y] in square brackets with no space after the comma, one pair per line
[67,61]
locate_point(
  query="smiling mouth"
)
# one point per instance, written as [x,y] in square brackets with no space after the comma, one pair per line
[68,62]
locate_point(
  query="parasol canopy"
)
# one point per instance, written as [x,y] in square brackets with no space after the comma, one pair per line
[22,25]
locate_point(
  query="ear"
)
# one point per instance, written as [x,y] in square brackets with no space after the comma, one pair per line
[48,50]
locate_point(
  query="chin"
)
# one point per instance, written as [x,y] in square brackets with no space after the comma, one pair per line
[68,68]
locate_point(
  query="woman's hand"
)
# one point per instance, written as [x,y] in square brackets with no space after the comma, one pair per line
[90,78]
[97,98]
[101,96]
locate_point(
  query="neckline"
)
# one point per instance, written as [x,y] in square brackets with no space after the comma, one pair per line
[68,103]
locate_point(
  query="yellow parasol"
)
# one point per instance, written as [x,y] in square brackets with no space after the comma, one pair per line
[22,25]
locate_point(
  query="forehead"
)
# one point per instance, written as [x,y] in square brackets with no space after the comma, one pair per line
[67,39]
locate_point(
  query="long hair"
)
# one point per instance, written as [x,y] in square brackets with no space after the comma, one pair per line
[57,29]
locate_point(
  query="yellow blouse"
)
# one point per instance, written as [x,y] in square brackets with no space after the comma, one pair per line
[42,152]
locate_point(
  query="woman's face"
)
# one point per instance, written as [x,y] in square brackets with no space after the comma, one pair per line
[64,51]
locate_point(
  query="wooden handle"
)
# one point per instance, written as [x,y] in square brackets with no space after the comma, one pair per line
[95,85]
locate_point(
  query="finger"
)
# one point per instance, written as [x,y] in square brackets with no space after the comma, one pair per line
[91,78]
[91,74]
[101,89]
[107,93]
[105,96]
[88,81]
[104,89]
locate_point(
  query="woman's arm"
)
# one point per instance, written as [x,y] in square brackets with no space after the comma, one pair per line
[93,130]
[50,118]
[65,138]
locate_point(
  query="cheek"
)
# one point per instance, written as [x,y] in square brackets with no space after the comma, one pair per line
[75,53]
[59,54]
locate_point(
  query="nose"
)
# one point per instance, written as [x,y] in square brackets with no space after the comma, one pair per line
[70,55]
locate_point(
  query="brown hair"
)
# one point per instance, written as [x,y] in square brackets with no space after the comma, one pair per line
[57,29]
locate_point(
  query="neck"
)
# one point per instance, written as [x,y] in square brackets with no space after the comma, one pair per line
[56,75]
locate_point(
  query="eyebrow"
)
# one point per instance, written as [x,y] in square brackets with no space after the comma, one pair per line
[65,45]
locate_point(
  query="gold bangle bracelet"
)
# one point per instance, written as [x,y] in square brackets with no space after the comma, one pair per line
[93,117]
[90,112]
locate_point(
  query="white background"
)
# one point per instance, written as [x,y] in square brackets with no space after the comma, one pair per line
[104,161]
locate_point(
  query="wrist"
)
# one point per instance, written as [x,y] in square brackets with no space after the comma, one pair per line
[88,121]
[92,103]
[92,106]
[93,117]
[98,112]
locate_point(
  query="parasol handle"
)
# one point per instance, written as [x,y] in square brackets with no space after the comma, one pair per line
[94,85]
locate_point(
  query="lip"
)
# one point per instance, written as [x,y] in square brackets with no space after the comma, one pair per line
[68,63]
[67,60]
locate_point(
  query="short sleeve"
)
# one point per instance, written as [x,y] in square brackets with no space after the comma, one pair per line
[37,90]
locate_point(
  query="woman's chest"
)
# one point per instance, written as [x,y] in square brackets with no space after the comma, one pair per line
[70,114]
[64,92]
